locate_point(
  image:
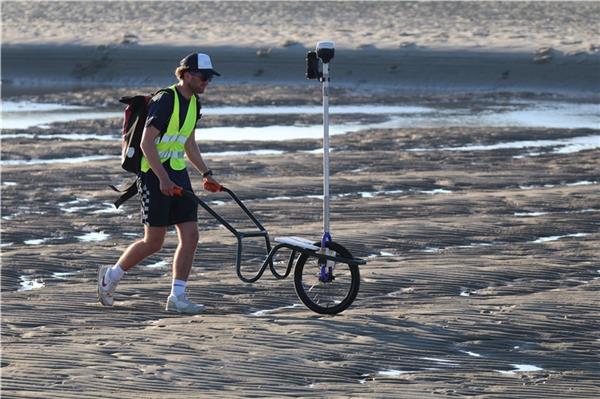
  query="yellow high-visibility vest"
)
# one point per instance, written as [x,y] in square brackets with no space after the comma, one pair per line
[172,144]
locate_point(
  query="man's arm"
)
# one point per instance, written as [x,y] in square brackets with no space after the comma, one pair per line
[149,149]
[193,153]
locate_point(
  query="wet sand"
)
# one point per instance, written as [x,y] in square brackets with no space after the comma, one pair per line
[480,265]
[409,72]
[483,275]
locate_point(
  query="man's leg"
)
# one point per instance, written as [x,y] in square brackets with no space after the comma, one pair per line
[140,250]
[182,265]
[109,277]
[184,255]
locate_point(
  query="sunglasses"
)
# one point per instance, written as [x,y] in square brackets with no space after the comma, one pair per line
[201,76]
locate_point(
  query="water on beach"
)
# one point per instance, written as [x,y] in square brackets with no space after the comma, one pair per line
[542,114]
[28,284]
[93,236]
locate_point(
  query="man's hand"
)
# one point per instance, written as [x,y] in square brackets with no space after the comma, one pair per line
[167,187]
[211,184]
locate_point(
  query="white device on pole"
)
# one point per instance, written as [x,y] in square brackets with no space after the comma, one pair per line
[330,253]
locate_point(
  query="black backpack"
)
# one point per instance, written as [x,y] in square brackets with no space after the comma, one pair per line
[134,122]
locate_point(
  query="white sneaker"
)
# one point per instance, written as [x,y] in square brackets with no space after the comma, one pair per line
[181,304]
[105,289]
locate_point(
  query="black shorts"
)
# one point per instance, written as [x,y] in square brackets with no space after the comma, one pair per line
[159,210]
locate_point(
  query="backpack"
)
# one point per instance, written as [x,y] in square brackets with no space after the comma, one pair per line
[134,122]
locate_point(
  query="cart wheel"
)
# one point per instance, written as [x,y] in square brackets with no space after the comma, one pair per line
[333,295]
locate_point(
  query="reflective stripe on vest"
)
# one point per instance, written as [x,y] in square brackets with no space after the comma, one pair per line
[172,144]
[170,154]
[170,139]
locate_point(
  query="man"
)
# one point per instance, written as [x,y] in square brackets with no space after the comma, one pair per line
[168,134]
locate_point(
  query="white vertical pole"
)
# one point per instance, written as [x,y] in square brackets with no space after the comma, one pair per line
[326,150]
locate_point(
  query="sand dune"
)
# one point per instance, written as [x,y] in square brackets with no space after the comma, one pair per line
[413,47]
[521,26]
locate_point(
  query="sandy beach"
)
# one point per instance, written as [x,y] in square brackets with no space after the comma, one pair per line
[413,47]
[483,274]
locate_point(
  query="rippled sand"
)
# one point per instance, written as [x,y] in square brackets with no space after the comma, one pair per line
[482,279]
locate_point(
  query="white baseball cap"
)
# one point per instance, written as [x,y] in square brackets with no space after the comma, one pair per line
[200,62]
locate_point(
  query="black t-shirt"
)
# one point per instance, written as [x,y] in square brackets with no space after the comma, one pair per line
[161,108]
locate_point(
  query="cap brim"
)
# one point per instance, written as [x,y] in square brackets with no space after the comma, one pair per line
[209,72]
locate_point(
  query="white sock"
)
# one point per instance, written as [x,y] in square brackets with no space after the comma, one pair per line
[178,287]
[115,273]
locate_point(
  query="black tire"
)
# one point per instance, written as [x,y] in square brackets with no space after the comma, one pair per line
[314,293]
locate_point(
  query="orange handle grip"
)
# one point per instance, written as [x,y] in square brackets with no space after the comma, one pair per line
[212,187]
[178,191]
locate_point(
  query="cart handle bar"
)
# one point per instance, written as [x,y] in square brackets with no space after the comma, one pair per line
[215,187]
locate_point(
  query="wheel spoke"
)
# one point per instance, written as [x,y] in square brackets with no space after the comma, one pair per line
[326,293]
[326,297]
